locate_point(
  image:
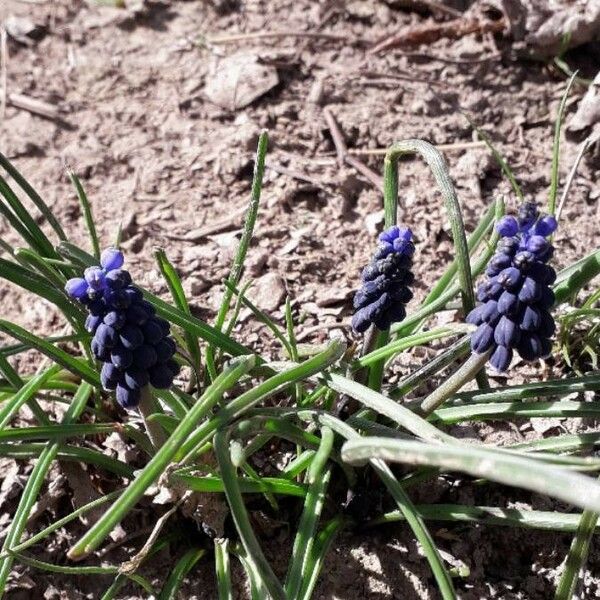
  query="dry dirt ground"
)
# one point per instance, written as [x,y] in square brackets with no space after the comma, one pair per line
[136,90]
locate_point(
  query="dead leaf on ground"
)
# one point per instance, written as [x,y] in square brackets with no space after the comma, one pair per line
[545,25]
[238,80]
[588,111]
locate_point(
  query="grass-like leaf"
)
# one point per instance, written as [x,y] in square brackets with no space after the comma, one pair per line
[172,278]
[75,365]
[183,566]
[508,469]
[87,213]
[150,473]
[34,484]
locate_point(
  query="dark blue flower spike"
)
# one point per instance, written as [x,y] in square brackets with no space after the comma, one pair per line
[385,282]
[517,297]
[133,343]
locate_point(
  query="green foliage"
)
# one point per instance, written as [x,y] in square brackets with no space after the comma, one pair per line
[239,405]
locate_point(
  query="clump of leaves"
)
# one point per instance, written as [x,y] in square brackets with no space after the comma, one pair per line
[204,426]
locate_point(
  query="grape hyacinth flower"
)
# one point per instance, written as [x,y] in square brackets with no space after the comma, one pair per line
[133,343]
[513,313]
[384,292]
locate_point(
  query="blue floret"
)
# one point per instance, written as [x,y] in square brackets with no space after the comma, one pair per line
[516,298]
[384,292]
[133,344]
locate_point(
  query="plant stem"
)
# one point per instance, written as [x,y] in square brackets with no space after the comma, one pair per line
[147,407]
[472,366]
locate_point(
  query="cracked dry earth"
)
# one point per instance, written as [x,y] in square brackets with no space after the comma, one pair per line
[163,144]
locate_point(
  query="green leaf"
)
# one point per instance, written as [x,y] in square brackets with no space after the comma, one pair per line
[241,518]
[28,391]
[556,147]
[223,569]
[32,488]
[33,282]
[184,565]
[211,484]
[87,213]
[505,468]
[172,278]
[33,195]
[570,280]
[152,471]
[490,515]
[318,477]
[577,556]
[30,230]
[74,365]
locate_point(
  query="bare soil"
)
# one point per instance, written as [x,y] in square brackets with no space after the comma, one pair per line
[156,155]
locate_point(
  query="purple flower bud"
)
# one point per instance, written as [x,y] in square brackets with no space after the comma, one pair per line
[92,322]
[106,336]
[121,357]
[134,294]
[118,279]
[400,293]
[96,307]
[510,278]
[131,336]
[530,346]
[507,226]
[361,320]
[384,291]
[508,246]
[136,378]
[490,312]
[115,319]
[164,325]
[508,303]
[547,326]
[390,234]
[507,332]
[111,259]
[383,250]
[531,319]
[110,376]
[161,377]
[99,351]
[370,272]
[546,226]
[76,287]
[537,244]
[531,291]
[518,290]
[166,348]
[482,339]
[152,331]
[524,260]
[475,317]
[547,298]
[393,314]
[174,366]
[527,215]
[95,278]
[127,398]
[144,357]
[117,299]
[501,358]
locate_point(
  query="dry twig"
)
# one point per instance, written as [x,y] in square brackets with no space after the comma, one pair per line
[342,151]
[432,31]
[261,35]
